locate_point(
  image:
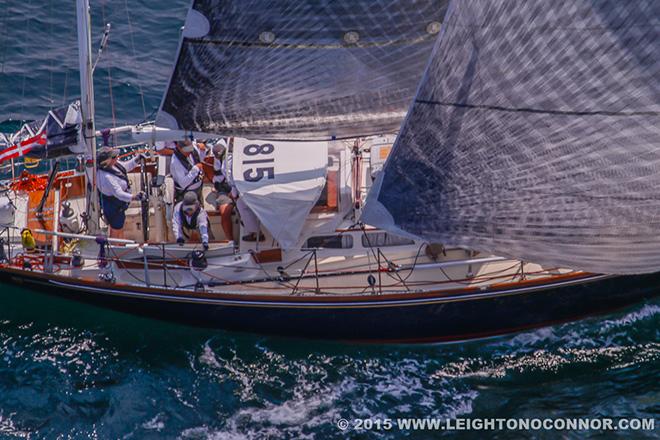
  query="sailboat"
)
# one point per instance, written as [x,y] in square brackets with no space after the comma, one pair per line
[421,171]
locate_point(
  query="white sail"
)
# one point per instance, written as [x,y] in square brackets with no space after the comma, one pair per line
[280,182]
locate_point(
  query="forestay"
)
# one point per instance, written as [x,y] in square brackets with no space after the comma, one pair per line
[310,70]
[535,134]
[280,182]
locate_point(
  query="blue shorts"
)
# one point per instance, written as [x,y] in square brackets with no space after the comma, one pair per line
[114,211]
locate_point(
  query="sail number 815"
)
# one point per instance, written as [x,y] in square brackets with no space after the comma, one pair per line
[259,172]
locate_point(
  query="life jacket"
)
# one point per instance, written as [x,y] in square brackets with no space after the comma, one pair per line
[192,224]
[188,166]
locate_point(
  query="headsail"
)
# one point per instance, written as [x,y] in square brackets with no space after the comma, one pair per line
[280,182]
[281,69]
[535,134]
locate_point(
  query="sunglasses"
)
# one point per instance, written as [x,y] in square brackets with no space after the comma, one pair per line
[189,209]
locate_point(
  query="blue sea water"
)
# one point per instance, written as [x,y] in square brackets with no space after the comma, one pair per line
[69,370]
[39,56]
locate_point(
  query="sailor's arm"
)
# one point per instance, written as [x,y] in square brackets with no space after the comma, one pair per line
[182,177]
[203,225]
[176,223]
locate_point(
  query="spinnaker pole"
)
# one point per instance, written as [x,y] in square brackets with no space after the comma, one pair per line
[87,108]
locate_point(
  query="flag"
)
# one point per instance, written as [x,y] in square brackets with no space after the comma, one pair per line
[25,146]
[59,134]
[63,126]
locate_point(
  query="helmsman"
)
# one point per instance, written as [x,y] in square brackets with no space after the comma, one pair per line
[115,188]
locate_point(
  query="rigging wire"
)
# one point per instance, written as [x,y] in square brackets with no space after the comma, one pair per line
[484,277]
[109,69]
[27,29]
[150,118]
[414,265]
[112,256]
[66,82]
[51,67]
[3,30]
[130,33]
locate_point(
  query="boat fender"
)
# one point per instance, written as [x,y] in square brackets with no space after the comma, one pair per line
[198,260]
[371,280]
[27,240]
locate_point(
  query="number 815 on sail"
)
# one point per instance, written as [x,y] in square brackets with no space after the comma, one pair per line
[259,172]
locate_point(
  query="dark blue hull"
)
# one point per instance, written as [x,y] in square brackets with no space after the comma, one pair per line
[414,317]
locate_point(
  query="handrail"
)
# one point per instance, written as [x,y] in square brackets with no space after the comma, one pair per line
[84,237]
[452,263]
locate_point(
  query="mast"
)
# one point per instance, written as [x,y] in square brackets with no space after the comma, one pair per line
[87,108]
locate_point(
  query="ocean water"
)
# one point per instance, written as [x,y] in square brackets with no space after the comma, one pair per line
[69,370]
[39,57]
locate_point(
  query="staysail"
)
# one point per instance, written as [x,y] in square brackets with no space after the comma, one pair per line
[305,70]
[280,182]
[535,134]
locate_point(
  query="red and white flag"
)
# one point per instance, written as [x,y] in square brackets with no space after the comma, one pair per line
[24,146]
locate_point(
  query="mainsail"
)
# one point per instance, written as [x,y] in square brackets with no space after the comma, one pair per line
[535,134]
[306,70]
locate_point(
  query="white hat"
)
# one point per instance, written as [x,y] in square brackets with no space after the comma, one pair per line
[219,147]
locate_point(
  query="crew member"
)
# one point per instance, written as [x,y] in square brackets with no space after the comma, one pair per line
[187,169]
[190,222]
[222,188]
[248,217]
[115,188]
